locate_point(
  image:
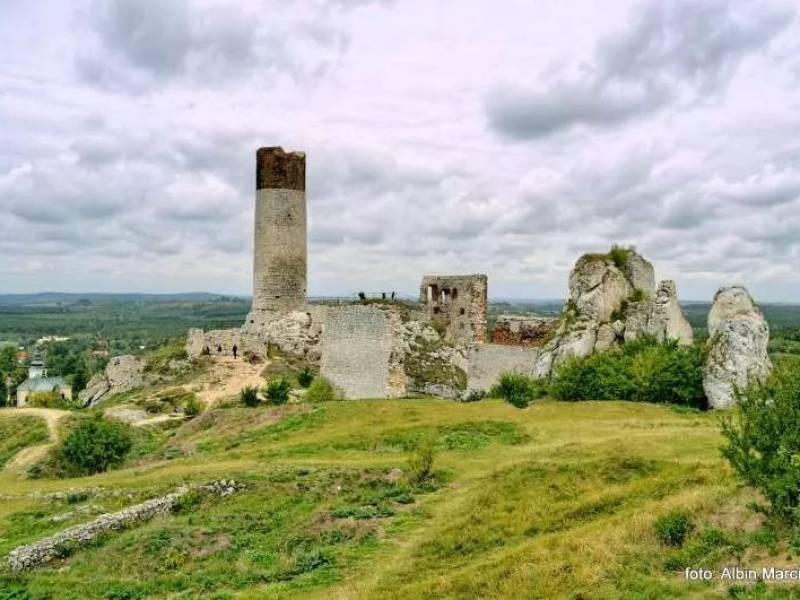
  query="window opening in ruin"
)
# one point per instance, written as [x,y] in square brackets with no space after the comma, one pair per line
[431,293]
[462,311]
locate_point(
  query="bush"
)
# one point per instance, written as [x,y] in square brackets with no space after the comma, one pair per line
[305,376]
[46,400]
[518,389]
[321,390]
[673,527]
[94,446]
[277,391]
[763,439]
[421,461]
[249,396]
[643,370]
[192,406]
[620,255]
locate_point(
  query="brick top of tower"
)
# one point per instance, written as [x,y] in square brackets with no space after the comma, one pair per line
[276,169]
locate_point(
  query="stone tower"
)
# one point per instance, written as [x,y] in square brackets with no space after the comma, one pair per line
[279,255]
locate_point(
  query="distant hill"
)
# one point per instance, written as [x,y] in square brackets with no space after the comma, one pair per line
[55,298]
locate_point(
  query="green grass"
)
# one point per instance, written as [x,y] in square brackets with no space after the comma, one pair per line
[555,501]
[18,432]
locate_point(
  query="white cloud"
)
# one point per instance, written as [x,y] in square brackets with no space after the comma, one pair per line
[475,140]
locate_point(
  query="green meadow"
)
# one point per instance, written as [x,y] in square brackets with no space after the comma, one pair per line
[554,501]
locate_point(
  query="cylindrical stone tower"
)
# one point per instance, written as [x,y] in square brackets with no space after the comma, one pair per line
[279,256]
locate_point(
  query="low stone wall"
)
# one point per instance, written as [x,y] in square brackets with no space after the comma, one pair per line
[486,362]
[43,551]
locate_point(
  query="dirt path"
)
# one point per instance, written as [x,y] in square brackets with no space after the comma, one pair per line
[28,456]
[224,379]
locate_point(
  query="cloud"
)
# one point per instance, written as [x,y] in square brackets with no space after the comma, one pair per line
[671,52]
[139,45]
[135,170]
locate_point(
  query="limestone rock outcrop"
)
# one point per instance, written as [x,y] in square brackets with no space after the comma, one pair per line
[739,336]
[666,320]
[613,299]
[122,374]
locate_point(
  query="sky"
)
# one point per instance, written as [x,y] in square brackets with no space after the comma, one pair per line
[457,136]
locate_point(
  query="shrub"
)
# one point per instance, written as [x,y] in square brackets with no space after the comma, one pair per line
[45,399]
[321,390]
[620,255]
[637,295]
[518,389]
[763,439]
[94,446]
[305,376]
[643,370]
[249,396]
[673,527]
[421,461]
[277,391]
[192,406]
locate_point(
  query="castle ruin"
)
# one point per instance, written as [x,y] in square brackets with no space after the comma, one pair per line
[440,345]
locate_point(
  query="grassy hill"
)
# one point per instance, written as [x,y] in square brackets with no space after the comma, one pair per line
[557,500]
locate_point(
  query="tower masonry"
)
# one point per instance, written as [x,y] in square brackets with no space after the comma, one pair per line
[279,254]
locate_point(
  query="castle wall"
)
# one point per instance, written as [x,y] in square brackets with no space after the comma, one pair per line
[458,304]
[357,343]
[523,330]
[485,364]
[197,339]
[280,254]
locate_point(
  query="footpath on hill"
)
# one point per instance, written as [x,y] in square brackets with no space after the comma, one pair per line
[32,454]
[224,379]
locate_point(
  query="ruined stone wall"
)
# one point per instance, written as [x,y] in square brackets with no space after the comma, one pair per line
[485,364]
[197,339]
[356,347]
[279,255]
[523,330]
[457,303]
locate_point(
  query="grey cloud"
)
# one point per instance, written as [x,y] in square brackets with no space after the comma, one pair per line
[523,114]
[144,43]
[671,51]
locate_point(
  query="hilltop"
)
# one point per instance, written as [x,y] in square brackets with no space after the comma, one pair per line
[557,500]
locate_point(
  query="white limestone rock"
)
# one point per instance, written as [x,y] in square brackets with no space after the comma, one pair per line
[667,321]
[739,336]
[597,288]
[122,374]
[637,316]
[640,274]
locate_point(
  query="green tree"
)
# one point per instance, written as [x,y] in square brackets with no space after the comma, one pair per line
[3,389]
[94,446]
[763,439]
[79,378]
[8,359]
